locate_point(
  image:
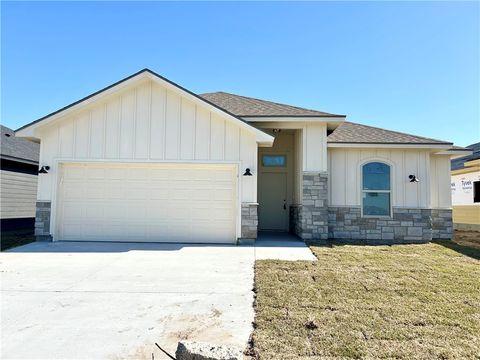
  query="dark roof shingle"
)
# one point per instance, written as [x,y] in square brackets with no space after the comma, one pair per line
[349,132]
[244,106]
[15,148]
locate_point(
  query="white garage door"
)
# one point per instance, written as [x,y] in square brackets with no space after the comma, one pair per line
[147,202]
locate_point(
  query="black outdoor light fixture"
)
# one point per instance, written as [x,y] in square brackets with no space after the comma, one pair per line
[44,170]
[247,172]
[413,178]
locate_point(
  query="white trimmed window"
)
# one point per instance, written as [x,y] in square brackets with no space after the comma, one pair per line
[376,189]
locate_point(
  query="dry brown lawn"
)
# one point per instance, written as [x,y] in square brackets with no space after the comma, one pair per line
[371,302]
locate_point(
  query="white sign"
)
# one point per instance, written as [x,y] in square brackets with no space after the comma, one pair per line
[462,188]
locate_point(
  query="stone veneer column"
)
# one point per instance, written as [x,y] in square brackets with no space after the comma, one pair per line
[309,220]
[249,221]
[42,221]
[442,224]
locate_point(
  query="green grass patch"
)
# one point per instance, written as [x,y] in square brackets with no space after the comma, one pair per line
[366,302]
[11,239]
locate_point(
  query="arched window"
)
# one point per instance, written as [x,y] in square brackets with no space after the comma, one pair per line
[376,189]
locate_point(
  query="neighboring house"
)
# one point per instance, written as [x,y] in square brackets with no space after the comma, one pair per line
[466,190]
[18,181]
[147,160]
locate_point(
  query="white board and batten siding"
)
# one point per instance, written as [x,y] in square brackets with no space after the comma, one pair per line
[314,147]
[18,194]
[433,171]
[147,123]
[440,185]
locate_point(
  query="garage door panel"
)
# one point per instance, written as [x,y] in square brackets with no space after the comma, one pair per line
[95,189]
[77,191]
[95,173]
[223,194]
[148,202]
[204,195]
[71,213]
[136,212]
[223,176]
[181,195]
[74,173]
[115,173]
[96,212]
[114,210]
[222,214]
[136,193]
[135,173]
[159,194]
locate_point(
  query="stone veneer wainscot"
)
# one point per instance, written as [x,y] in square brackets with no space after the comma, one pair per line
[406,225]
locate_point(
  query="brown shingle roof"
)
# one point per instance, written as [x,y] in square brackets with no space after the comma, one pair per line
[349,132]
[244,106]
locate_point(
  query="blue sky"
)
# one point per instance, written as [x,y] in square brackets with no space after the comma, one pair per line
[410,66]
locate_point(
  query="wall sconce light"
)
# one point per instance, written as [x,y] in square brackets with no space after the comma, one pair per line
[44,170]
[413,178]
[275,131]
[247,172]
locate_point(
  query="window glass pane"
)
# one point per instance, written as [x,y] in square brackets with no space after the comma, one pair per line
[376,176]
[274,160]
[376,203]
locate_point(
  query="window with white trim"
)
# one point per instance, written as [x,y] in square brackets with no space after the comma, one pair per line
[376,189]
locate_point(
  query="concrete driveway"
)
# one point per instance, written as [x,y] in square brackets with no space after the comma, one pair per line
[114,301]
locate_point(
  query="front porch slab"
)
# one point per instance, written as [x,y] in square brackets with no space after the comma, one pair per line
[281,246]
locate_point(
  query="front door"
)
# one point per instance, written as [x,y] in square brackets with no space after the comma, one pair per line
[272,196]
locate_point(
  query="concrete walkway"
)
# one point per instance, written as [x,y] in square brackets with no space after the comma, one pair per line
[281,246]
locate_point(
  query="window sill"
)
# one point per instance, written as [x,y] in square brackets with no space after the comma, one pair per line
[377,216]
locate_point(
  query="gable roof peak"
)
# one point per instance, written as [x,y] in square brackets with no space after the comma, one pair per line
[262,137]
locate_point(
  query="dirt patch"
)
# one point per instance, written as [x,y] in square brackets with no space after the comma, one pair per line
[467,238]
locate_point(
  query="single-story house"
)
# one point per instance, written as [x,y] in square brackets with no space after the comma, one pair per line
[18,181]
[148,160]
[466,190]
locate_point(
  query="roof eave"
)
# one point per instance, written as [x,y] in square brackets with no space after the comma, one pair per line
[246,116]
[332,122]
[398,145]
[17,159]
[294,118]
[455,154]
